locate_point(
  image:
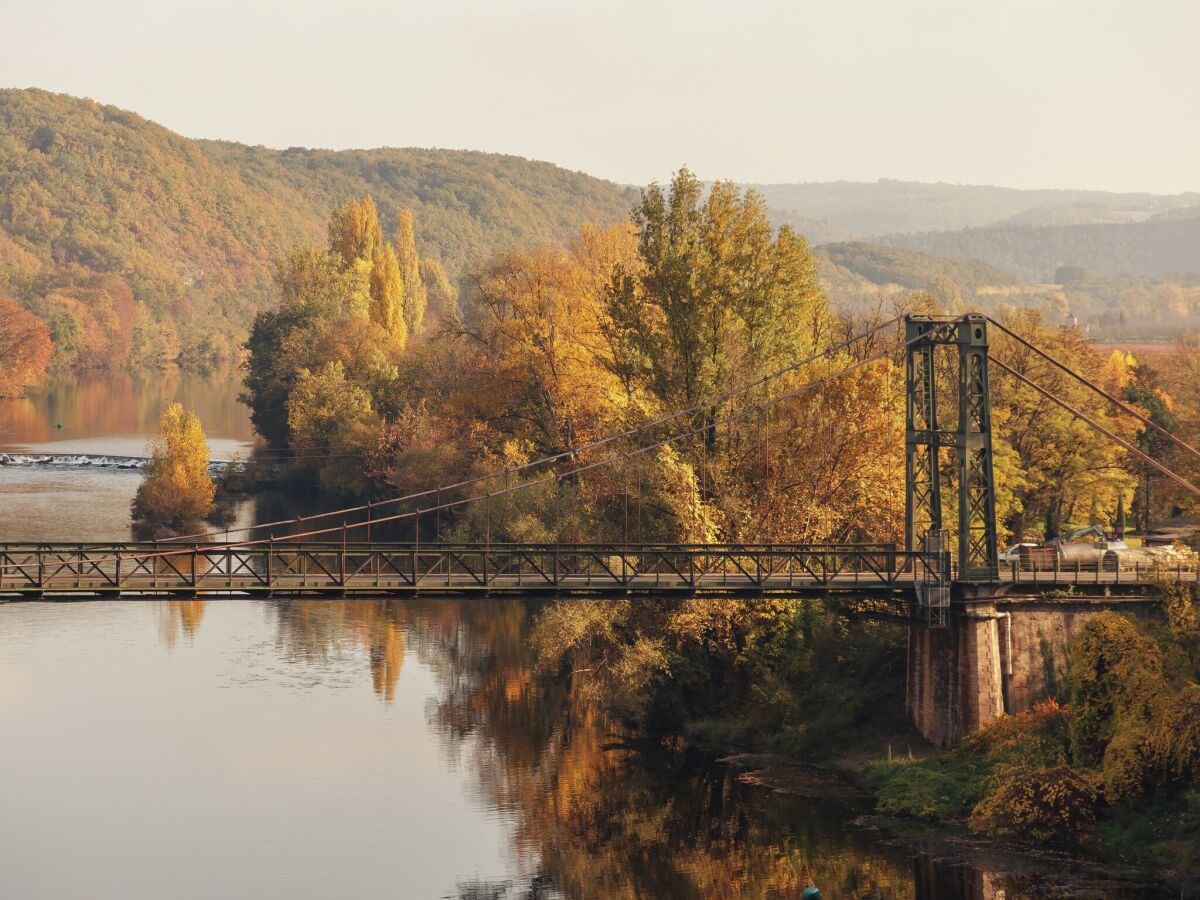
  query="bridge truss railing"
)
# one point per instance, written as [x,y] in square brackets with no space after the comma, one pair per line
[1107,571]
[458,567]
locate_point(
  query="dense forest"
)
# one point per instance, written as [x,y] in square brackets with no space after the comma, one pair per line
[141,247]
[911,269]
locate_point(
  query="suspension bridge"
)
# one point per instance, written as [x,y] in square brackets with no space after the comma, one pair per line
[917,580]
[978,625]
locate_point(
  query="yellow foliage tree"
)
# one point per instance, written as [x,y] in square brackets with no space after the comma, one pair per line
[410,274]
[177,487]
[330,420]
[1063,469]
[388,295]
[354,231]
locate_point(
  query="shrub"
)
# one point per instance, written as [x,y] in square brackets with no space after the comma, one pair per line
[1038,736]
[1176,736]
[1115,674]
[1048,804]
[1129,763]
[922,793]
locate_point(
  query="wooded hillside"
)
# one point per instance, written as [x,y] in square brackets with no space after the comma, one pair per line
[139,245]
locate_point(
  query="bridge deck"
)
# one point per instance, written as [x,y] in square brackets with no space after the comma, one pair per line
[360,569]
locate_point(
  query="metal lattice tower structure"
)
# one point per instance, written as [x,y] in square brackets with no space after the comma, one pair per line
[970,440]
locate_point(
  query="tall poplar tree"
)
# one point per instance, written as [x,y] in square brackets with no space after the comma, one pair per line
[354,232]
[442,295]
[410,273]
[387,294]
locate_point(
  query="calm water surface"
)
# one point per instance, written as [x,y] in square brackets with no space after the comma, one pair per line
[370,748]
[103,413]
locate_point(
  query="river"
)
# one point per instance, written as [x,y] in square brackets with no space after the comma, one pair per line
[370,748]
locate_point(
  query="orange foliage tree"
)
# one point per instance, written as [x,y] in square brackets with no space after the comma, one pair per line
[25,349]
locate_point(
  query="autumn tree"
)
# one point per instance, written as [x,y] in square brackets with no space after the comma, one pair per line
[719,298]
[1058,468]
[388,295]
[441,292]
[330,421]
[410,274]
[539,347]
[176,487]
[354,232]
[317,296]
[25,349]
[328,312]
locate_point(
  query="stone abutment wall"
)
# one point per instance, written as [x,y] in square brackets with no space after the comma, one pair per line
[997,656]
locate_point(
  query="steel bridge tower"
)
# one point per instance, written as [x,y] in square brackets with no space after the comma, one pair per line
[977,557]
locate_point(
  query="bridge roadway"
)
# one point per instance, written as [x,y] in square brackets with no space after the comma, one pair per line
[323,569]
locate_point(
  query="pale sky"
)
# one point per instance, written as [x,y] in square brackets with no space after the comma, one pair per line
[1027,93]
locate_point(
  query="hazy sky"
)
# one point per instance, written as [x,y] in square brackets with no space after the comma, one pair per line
[1028,93]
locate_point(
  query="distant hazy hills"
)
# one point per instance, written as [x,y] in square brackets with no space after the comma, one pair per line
[1026,232]
[1163,245]
[870,209]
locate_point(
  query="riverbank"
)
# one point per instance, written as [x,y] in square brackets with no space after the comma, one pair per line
[968,864]
[1108,775]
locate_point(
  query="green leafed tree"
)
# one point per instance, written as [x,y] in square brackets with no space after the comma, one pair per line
[719,297]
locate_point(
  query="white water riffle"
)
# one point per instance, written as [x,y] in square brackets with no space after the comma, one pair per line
[89,461]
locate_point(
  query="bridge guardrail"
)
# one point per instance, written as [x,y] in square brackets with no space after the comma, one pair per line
[326,566]
[280,566]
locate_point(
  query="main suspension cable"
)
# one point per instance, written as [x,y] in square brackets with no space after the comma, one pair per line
[1124,407]
[1183,482]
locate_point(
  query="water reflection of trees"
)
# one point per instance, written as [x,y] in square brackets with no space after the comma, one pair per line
[115,402]
[314,630]
[593,817]
[179,618]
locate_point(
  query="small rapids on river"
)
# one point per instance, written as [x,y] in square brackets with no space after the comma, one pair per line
[90,461]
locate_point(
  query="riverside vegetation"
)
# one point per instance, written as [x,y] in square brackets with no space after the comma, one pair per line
[555,346]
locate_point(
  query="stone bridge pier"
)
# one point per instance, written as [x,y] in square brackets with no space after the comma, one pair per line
[997,655]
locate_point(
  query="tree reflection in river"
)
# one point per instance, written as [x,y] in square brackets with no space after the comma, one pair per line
[179,618]
[314,629]
[594,818]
